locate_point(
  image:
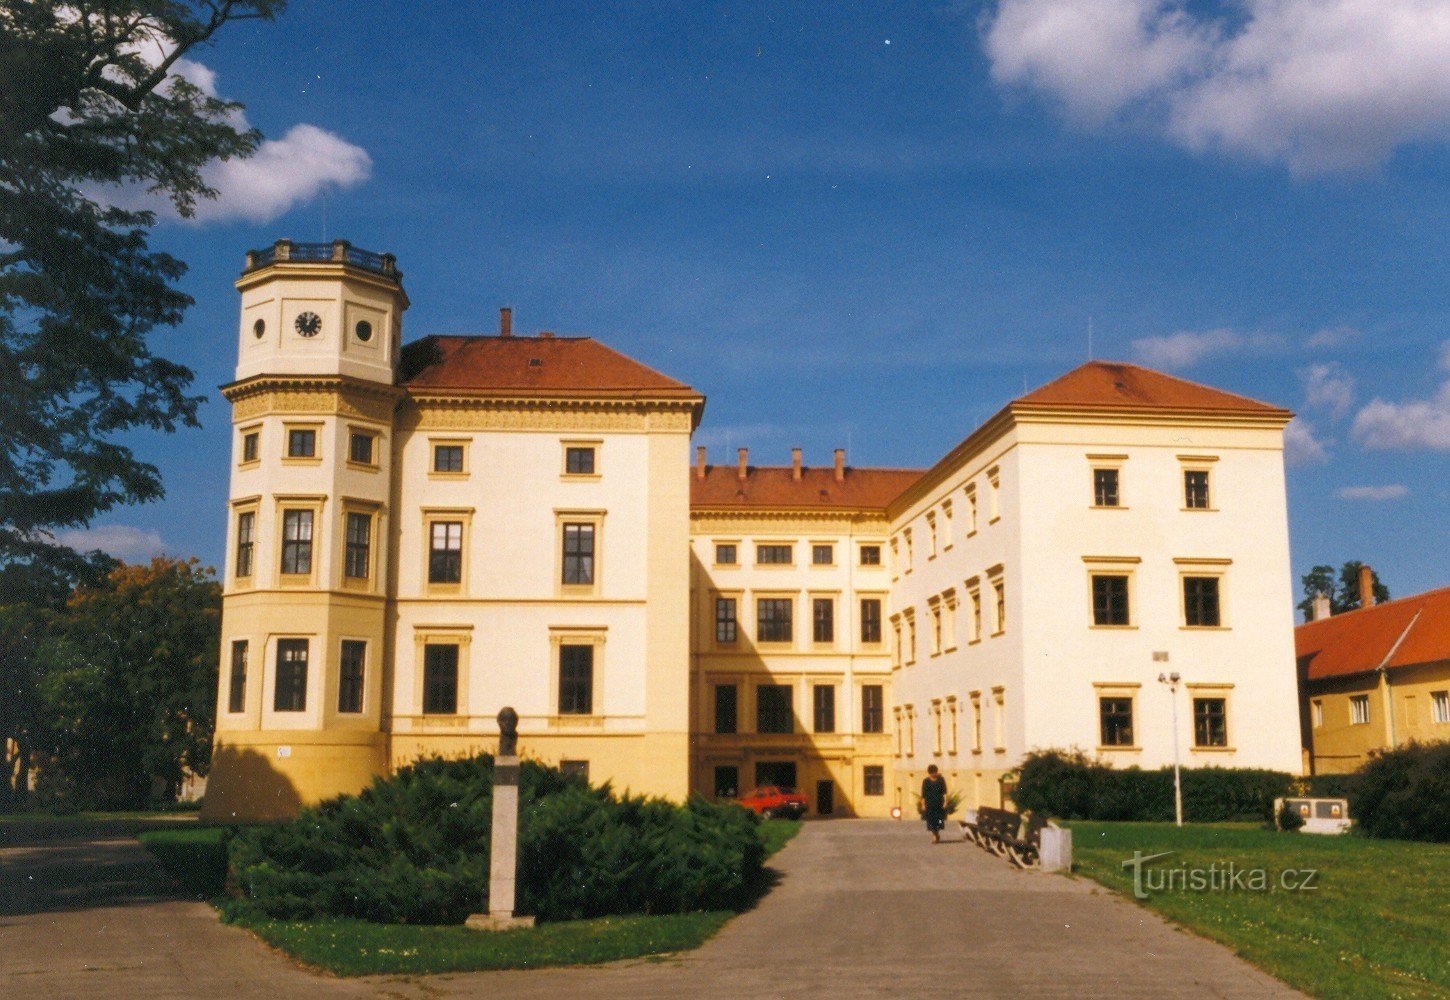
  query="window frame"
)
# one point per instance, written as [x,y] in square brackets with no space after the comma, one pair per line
[445,563]
[578,553]
[727,624]
[823,708]
[373,439]
[777,603]
[1440,708]
[435,445]
[870,637]
[826,548]
[357,553]
[313,457]
[727,711]
[237,677]
[775,548]
[1216,579]
[572,448]
[244,552]
[1206,699]
[1123,706]
[564,520]
[873,780]
[873,717]
[1107,496]
[250,448]
[823,625]
[1359,710]
[861,550]
[432,680]
[575,695]
[352,685]
[734,548]
[296,676]
[786,691]
[293,549]
[1102,606]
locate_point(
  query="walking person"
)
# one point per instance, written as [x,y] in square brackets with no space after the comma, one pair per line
[934,802]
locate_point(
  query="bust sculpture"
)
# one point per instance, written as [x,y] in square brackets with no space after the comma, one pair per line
[508,732]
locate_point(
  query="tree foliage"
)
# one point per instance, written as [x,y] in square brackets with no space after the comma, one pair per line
[126,693]
[1343,592]
[92,109]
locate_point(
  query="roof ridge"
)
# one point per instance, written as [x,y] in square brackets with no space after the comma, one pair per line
[1379,604]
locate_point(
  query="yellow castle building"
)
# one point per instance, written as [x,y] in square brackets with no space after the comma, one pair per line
[422,534]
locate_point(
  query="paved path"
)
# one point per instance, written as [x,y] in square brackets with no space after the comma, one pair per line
[863,909]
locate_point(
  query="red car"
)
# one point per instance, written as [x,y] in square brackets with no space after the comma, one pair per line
[771,801]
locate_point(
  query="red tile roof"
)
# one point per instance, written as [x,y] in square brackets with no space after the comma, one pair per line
[1118,385]
[542,365]
[774,487]
[1357,641]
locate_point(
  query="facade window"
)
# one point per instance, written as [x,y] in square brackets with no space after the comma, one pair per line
[931,535]
[1200,601]
[1317,711]
[1110,599]
[870,619]
[445,552]
[360,448]
[934,611]
[824,703]
[1210,722]
[976,724]
[727,626]
[246,539]
[251,444]
[440,679]
[976,599]
[291,692]
[823,620]
[727,708]
[1115,717]
[773,709]
[727,781]
[936,727]
[576,680]
[773,619]
[897,649]
[301,443]
[350,675]
[870,555]
[873,714]
[357,561]
[448,458]
[579,554]
[994,495]
[910,654]
[773,555]
[971,511]
[1105,487]
[823,555]
[297,542]
[873,780]
[1440,707]
[1359,710]
[907,549]
[999,589]
[237,685]
[1195,489]
[579,461]
[575,769]
[725,555]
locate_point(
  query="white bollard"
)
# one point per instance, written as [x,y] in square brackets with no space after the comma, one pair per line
[1055,849]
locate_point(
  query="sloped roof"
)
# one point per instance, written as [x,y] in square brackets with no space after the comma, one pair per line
[1119,385]
[1358,641]
[775,487]
[541,365]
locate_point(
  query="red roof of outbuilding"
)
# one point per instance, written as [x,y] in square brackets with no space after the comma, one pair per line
[543,365]
[767,487]
[1115,384]
[1358,641]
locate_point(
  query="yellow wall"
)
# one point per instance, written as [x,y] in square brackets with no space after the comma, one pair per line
[1400,711]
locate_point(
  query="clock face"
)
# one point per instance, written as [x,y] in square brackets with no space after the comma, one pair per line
[308,324]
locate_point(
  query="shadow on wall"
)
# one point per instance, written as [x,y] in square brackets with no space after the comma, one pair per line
[246,786]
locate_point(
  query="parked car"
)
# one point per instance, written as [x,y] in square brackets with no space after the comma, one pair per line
[775,800]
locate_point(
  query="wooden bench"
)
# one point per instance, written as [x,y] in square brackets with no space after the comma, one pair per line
[1005,833]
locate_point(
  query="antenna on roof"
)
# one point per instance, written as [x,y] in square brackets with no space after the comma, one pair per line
[1090,338]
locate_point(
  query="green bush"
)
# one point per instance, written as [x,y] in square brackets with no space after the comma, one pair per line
[1290,819]
[1068,784]
[414,848]
[1404,794]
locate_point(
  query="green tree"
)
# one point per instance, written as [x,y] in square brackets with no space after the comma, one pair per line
[89,105]
[1343,592]
[128,690]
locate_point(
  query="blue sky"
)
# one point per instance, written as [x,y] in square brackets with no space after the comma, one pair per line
[868,227]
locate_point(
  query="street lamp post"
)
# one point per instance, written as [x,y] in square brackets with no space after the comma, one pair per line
[1172,681]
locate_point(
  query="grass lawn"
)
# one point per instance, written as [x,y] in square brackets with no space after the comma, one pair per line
[196,858]
[1377,925]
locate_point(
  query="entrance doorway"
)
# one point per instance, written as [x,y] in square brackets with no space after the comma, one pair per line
[825,798]
[775,772]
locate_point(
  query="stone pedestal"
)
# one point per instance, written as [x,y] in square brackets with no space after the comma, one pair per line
[1055,850]
[504,838]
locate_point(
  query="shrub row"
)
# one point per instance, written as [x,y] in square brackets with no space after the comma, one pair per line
[1068,784]
[414,848]
[1404,794]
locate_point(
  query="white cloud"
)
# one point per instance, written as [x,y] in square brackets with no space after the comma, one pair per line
[1318,85]
[120,540]
[1187,348]
[1415,423]
[1302,446]
[1333,336]
[1394,491]
[1329,387]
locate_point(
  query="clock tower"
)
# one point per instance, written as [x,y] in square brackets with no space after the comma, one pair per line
[305,656]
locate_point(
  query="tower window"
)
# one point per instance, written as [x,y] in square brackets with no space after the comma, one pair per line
[359,546]
[246,531]
[350,676]
[440,679]
[250,443]
[297,542]
[237,688]
[301,443]
[291,693]
[363,331]
[360,447]
[259,328]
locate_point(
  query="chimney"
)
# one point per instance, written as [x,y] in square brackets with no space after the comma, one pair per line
[840,465]
[744,463]
[505,322]
[1320,607]
[700,462]
[795,464]
[1366,587]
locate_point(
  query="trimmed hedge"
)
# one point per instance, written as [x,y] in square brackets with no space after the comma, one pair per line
[1404,794]
[1068,784]
[414,848]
